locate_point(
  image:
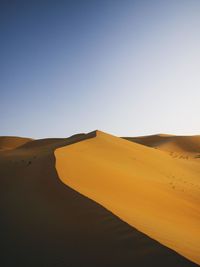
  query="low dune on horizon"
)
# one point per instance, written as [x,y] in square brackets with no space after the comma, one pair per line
[100,200]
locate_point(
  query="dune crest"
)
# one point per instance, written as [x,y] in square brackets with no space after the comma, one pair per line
[147,188]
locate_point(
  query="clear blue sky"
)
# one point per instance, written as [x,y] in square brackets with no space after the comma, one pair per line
[122,66]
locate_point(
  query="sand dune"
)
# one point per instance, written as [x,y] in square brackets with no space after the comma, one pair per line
[11,142]
[145,187]
[46,223]
[176,146]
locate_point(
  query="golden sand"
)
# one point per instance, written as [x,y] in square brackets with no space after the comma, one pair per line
[147,188]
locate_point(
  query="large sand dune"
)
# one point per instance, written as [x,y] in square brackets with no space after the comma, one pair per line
[46,223]
[145,187]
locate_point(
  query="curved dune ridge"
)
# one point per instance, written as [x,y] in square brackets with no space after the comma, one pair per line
[147,188]
[44,222]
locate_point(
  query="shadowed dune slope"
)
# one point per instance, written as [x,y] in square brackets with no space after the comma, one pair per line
[11,142]
[145,187]
[46,223]
[177,146]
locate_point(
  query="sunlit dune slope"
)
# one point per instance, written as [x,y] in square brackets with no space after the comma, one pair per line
[46,223]
[176,146]
[11,142]
[145,187]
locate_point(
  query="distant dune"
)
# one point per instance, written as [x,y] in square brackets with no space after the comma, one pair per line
[96,200]
[177,146]
[11,142]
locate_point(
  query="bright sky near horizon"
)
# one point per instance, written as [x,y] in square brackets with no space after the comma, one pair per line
[121,66]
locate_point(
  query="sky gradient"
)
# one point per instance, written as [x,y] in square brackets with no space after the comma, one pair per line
[121,66]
